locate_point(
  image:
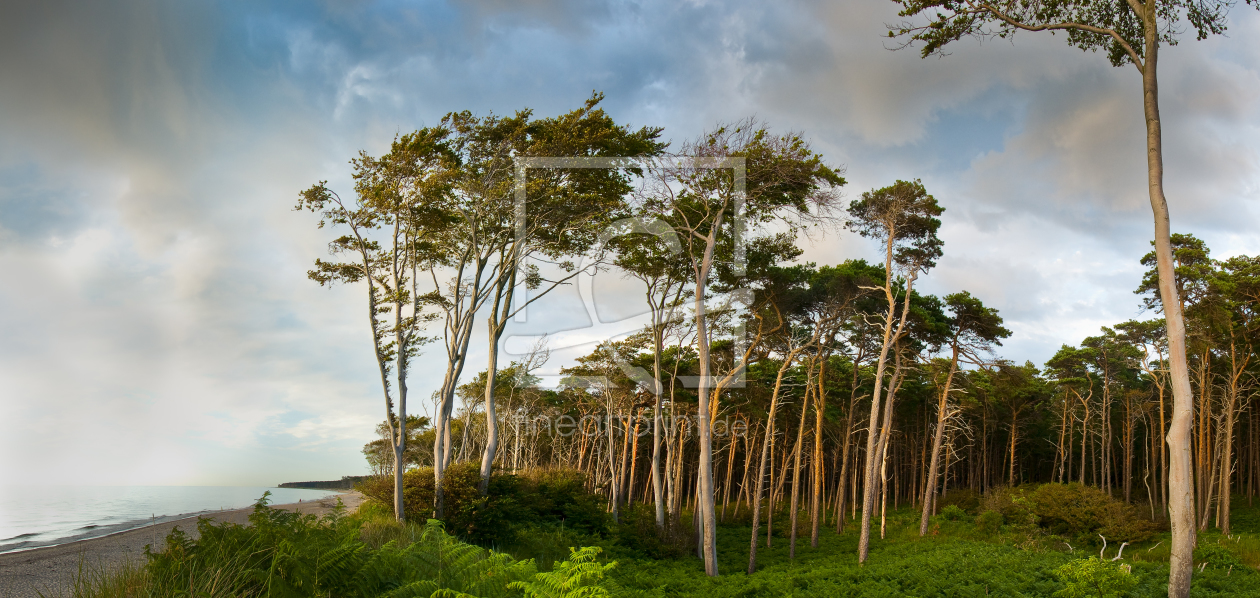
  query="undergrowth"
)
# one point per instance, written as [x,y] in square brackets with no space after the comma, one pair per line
[997,545]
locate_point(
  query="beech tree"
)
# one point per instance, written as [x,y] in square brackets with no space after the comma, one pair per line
[393,221]
[654,256]
[1130,32]
[699,193]
[487,246]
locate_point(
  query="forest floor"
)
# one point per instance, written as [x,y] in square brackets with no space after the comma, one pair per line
[955,559]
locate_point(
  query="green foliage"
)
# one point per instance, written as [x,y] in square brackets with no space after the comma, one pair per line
[291,555]
[953,513]
[288,554]
[1092,577]
[637,531]
[577,577]
[1082,512]
[989,522]
[512,501]
[1216,556]
[963,498]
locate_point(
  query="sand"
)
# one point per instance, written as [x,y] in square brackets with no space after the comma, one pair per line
[51,569]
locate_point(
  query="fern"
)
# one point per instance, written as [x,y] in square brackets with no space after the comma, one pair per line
[577,577]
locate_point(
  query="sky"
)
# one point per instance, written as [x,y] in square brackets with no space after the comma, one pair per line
[156,323]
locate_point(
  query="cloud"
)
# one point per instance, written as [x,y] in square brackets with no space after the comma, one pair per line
[157,322]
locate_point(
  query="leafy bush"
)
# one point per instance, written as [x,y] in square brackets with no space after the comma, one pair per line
[1082,512]
[1216,556]
[989,522]
[285,553]
[963,498]
[558,497]
[1012,503]
[1092,577]
[638,532]
[953,513]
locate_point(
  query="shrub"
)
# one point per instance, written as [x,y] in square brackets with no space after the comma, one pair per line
[1012,503]
[637,531]
[511,501]
[1082,512]
[1092,577]
[989,522]
[963,498]
[287,554]
[953,513]
[1216,556]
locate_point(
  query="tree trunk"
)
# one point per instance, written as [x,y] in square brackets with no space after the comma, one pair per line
[873,456]
[796,474]
[658,490]
[765,459]
[820,407]
[492,422]
[1014,438]
[1180,489]
[942,412]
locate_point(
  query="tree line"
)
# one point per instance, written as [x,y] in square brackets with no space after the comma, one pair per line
[760,383]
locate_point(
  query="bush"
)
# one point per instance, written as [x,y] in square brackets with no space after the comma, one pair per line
[288,554]
[1013,504]
[1087,578]
[1216,556]
[638,532]
[1082,512]
[953,513]
[511,501]
[963,498]
[989,522]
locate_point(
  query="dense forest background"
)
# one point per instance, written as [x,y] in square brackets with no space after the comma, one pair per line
[1095,413]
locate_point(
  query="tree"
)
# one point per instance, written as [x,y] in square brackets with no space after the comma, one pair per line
[393,222]
[655,259]
[973,328]
[1130,32]
[773,177]
[487,247]
[903,218]
[380,452]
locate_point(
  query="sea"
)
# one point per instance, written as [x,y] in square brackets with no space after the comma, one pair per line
[38,516]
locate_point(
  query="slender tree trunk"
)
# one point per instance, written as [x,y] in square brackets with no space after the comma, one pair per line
[820,407]
[492,423]
[658,490]
[942,413]
[1181,494]
[872,454]
[730,470]
[1014,438]
[765,460]
[796,475]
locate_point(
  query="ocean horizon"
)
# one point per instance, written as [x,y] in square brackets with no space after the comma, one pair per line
[38,516]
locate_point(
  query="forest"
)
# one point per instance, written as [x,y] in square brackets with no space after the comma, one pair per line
[766,391]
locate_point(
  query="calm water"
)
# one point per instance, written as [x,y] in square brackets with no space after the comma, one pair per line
[34,516]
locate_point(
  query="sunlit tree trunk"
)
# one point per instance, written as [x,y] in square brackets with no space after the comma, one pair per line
[796,473]
[942,413]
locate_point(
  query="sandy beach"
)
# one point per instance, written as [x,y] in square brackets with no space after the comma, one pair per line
[51,569]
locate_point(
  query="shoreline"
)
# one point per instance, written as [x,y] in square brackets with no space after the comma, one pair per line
[50,568]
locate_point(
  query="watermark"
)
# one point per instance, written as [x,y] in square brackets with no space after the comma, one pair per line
[601,331]
[593,425]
